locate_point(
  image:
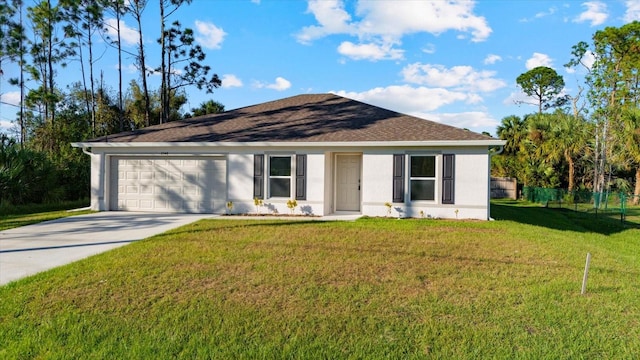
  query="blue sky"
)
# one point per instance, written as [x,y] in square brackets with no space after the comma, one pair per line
[453,62]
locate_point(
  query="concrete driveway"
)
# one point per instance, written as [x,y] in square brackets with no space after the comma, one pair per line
[31,249]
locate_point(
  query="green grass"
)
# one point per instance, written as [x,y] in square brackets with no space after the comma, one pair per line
[565,218]
[16,216]
[374,288]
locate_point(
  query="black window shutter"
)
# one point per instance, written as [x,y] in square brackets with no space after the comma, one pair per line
[398,178]
[448,179]
[258,176]
[301,177]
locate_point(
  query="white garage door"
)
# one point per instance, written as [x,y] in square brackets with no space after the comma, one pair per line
[168,184]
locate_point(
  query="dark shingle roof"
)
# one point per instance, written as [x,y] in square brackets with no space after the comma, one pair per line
[302,118]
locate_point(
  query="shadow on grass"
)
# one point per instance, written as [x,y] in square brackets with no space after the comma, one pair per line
[559,219]
[222,225]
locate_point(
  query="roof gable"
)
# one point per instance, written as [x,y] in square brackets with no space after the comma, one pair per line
[302,118]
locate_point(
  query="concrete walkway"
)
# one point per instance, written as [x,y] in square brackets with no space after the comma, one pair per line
[34,248]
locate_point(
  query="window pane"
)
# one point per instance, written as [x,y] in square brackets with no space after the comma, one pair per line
[423,166]
[280,187]
[280,166]
[423,189]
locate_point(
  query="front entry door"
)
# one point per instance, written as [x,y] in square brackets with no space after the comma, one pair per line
[348,182]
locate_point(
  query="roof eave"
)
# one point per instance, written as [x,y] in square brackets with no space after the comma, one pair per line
[295,144]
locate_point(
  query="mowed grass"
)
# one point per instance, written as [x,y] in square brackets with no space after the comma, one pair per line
[374,288]
[16,216]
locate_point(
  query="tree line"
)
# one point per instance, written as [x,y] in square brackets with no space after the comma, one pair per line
[42,40]
[588,140]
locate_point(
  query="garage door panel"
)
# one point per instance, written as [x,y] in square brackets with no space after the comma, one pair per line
[190,191]
[146,175]
[176,184]
[131,203]
[160,204]
[191,177]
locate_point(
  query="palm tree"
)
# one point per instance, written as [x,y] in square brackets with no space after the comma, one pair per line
[539,153]
[568,139]
[512,129]
[208,107]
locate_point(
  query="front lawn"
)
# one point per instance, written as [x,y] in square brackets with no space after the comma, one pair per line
[374,288]
[16,216]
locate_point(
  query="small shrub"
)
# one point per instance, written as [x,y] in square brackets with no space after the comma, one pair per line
[292,204]
[258,203]
[388,205]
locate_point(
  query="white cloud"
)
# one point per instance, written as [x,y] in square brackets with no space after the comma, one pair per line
[5,125]
[331,17]
[280,84]
[587,62]
[589,59]
[135,69]
[129,68]
[210,36]
[398,18]
[538,59]
[473,120]
[633,11]
[384,23]
[407,99]
[517,98]
[128,35]
[462,78]
[11,98]
[422,101]
[596,13]
[230,80]
[429,49]
[492,59]
[8,99]
[370,51]
[552,10]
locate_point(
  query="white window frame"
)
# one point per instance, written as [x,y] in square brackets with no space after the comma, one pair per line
[291,175]
[434,178]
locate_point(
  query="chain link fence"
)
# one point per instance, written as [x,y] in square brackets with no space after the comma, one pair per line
[597,203]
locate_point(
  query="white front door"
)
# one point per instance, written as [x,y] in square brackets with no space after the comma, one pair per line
[348,182]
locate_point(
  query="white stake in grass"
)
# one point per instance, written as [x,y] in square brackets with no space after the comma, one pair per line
[586,274]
